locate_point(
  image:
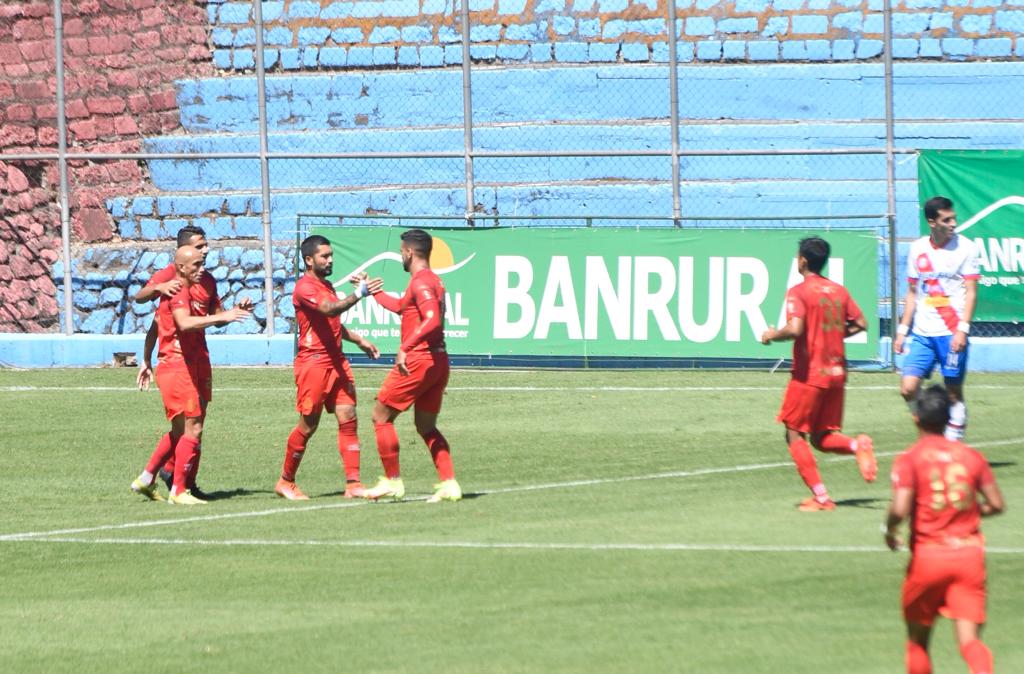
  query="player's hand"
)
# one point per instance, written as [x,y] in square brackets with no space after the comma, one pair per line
[375,285]
[959,342]
[237,314]
[400,362]
[246,303]
[144,377]
[370,349]
[766,336]
[169,289]
[897,345]
[893,541]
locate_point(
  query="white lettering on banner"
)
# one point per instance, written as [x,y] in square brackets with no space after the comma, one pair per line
[996,255]
[506,296]
[453,310]
[738,303]
[709,329]
[655,303]
[616,301]
[369,312]
[558,305]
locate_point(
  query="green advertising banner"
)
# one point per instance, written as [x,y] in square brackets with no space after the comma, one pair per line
[987,190]
[602,292]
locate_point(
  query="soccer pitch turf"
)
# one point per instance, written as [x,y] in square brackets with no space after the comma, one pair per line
[614,521]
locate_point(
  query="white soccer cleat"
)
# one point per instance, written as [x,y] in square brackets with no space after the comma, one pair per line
[386,488]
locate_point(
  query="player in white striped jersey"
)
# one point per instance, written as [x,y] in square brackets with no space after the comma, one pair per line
[942,271]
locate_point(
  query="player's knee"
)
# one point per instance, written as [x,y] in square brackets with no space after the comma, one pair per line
[194,428]
[425,429]
[908,390]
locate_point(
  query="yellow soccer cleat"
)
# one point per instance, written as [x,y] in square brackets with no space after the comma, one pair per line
[185,498]
[386,488]
[449,490]
[149,491]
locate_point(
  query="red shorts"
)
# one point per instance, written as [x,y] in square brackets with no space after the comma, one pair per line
[181,388]
[424,385]
[946,581]
[810,409]
[321,384]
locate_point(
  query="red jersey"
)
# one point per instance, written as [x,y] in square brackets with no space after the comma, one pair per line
[319,335]
[422,310]
[819,354]
[946,477]
[203,299]
[175,347]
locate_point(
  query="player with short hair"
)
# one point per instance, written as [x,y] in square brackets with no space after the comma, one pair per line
[936,483]
[820,315]
[182,378]
[165,283]
[943,273]
[420,374]
[323,376]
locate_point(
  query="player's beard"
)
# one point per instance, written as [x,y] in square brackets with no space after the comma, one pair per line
[325,271]
[406,263]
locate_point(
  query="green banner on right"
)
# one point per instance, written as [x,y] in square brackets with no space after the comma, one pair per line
[987,190]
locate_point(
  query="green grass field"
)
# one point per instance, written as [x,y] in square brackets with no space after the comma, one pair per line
[616,521]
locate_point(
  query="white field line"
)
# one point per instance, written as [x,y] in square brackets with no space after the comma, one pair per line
[500,490]
[509,389]
[494,545]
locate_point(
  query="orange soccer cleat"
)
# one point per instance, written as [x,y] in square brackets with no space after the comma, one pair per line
[814,505]
[865,454]
[289,490]
[355,490]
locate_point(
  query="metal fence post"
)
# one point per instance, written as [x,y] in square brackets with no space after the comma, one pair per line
[890,173]
[62,165]
[673,101]
[467,116]
[261,98]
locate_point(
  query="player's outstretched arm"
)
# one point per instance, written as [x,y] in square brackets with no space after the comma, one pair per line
[150,292]
[189,323]
[367,347]
[364,287]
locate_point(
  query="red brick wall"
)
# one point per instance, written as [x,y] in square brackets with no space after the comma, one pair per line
[121,60]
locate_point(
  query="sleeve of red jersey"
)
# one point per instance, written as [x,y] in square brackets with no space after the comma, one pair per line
[308,298]
[795,307]
[181,300]
[162,276]
[389,302]
[429,306]
[902,473]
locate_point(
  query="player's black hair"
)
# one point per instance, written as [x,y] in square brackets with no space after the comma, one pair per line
[419,241]
[311,244]
[934,205]
[933,409]
[186,233]
[815,250]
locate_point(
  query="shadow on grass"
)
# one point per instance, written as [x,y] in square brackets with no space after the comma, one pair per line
[1002,464]
[867,503]
[225,494]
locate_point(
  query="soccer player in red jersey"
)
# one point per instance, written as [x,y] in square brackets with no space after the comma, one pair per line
[936,483]
[323,376]
[420,373]
[205,301]
[182,379]
[820,314]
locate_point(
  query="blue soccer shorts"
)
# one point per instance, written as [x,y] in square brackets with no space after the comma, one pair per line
[927,352]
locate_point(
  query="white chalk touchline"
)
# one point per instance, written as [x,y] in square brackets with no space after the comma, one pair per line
[496,545]
[502,389]
[499,490]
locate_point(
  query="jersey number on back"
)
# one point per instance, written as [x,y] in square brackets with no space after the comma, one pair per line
[950,487]
[833,313]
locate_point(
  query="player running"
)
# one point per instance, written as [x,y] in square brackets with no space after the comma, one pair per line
[936,483]
[942,271]
[183,379]
[165,283]
[820,314]
[323,376]
[419,376]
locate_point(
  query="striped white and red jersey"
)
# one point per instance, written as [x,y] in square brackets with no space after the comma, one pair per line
[940,274]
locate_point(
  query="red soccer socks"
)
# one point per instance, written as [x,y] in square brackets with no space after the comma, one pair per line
[164,451]
[977,656]
[185,455]
[441,454]
[836,443]
[293,452]
[808,469]
[387,447]
[348,448]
